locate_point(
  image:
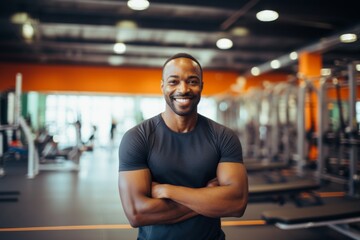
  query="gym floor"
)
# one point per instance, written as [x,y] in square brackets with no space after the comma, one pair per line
[85,205]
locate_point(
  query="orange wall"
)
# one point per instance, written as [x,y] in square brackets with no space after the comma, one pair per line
[47,78]
[66,78]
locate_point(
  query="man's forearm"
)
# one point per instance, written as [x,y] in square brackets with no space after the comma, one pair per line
[141,208]
[159,211]
[173,212]
[221,201]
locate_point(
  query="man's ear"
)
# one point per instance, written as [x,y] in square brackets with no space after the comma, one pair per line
[162,85]
[202,85]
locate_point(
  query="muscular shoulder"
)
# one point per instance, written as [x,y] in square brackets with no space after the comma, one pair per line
[226,140]
[133,149]
[144,129]
[217,129]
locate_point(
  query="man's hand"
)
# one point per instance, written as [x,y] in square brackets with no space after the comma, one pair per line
[228,193]
[213,183]
[158,190]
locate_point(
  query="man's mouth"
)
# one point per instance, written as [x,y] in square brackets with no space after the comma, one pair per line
[182,100]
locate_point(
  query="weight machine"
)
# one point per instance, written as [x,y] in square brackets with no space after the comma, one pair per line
[343,167]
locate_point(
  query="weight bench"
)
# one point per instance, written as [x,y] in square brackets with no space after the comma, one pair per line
[268,169]
[337,216]
[278,191]
[265,166]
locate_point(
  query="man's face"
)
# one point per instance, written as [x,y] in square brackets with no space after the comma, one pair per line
[182,85]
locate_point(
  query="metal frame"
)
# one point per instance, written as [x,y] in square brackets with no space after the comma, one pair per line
[322,121]
[337,225]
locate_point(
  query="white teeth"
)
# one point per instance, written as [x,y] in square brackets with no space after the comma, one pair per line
[183,100]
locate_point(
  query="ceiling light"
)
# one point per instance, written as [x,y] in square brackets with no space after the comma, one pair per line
[348,38]
[325,72]
[357,66]
[293,55]
[28,31]
[19,18]
[255,71]
[275,64]
[119,48]
[115,60]
[267,15]
[138,5]
[126,24]
[224,43]
[240,31]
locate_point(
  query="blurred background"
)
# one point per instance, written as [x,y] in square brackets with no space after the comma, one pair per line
[76,74]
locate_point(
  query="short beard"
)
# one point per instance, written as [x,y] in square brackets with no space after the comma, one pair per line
[193,108]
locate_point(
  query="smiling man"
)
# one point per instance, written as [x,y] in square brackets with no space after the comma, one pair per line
[180,172]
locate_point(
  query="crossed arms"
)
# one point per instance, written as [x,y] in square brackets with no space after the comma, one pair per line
[147,203]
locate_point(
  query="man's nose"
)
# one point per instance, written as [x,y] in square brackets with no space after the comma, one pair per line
[183,87]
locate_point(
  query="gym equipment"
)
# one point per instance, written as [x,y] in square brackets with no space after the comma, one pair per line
[283,120]
[337,216]
[338,150]
[10,115]
[247,121]
[44,154]
[263,166]
[305,137]
[282,99]
[340,215]
[282,191]
[266,121]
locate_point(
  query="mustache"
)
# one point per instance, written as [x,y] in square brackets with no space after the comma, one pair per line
[182,95]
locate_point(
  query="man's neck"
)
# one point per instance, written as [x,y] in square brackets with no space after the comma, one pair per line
[180,124]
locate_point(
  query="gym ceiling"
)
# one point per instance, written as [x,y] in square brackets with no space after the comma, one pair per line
[83,32]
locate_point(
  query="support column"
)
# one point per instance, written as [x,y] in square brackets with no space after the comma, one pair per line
[310,65]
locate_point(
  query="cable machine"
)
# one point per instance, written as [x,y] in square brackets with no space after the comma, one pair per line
[338,147]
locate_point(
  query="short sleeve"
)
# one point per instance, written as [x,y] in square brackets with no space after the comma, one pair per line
[230,147]
[133,151]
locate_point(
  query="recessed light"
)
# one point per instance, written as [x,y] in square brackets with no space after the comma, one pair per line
[115,60]
[119,48]
[240,31]
[348,38]
[20,18]
[255,71]
[293,55]
[138,5]
[224,43]
[357,66]
[267,15]
[28,31]
[325,72]
[275,64]
[126,24]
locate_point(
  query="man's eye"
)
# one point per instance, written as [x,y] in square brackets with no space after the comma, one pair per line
[172,82]
[194,82]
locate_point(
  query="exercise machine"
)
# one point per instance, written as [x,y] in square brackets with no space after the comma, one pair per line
[282,192]
[337,216]
[341,215]
[10,109]
[343,167]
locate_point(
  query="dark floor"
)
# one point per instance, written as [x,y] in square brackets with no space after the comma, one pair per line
[85,205]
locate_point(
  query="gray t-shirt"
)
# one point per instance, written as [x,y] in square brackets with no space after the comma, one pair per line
[184,159]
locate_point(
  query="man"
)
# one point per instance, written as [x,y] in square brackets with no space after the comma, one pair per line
[179,171]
